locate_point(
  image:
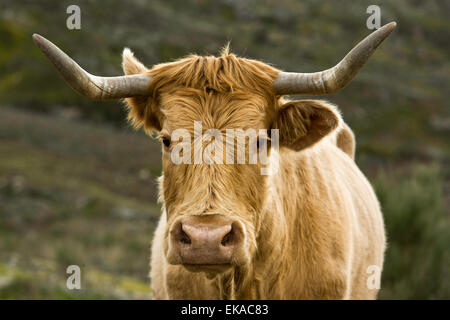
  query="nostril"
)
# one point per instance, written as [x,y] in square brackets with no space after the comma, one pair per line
[184,238]
[234,237]
[181,236]
[228,238]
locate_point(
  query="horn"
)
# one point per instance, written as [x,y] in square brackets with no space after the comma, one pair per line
[88,85]
[337,77]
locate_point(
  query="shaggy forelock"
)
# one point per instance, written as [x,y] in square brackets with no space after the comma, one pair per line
[194,77]
[222,74]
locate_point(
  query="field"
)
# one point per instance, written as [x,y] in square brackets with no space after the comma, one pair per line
[78,185]
[80,193]
[74,193]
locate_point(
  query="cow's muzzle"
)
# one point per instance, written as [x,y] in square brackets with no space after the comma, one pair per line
[206,242]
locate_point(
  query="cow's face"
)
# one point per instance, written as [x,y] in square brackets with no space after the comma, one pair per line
[214,208]
[213,203]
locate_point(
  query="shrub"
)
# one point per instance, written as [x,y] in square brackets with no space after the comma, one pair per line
[418,229]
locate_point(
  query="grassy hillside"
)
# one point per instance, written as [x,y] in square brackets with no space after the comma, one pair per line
[74,193]
[77,186]
[80,193]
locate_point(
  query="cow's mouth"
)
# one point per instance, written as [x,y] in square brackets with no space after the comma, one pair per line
[211,270]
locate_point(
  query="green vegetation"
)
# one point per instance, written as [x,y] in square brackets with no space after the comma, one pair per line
[77,185]
[74,193]
[418,224]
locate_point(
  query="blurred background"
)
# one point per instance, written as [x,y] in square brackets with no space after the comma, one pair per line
[77,184]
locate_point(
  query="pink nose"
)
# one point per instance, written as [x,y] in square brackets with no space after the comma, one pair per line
[206,239]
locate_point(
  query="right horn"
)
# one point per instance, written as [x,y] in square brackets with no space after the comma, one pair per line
[333,79]
[88,85]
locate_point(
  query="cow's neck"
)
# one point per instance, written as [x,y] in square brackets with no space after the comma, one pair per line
[288,223]
[286,217]
[278,222]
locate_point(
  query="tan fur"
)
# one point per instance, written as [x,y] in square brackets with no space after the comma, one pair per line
[346,140]
[312,229]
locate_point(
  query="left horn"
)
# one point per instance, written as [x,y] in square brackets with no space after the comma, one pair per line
[88,85]
[333,79]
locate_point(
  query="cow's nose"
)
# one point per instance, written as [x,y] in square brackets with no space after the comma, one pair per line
[206,239]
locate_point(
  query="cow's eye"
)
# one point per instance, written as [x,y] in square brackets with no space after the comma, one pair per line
[166,142]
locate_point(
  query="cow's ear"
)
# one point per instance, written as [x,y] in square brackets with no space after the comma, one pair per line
[303,123]
[141,110]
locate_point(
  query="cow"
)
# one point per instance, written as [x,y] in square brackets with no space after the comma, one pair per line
[312,229]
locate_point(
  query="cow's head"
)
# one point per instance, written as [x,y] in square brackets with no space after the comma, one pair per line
[214,211]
